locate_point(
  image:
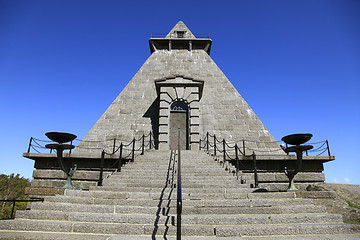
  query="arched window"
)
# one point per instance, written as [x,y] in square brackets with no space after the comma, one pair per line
[179,106]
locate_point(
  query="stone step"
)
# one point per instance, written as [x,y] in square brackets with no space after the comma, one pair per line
[256,210]
[184,161]
[164,193]
[185,172]
[150,170]
[167,189]
[187,210]
[129,174]
[287,229]
[38,235]
[23,235]
[96,208]
[163,172]
[104,228]
[162,184]
[354,236]
[163,176]
[158,217]
[186,202]
[185,183]
[187,230]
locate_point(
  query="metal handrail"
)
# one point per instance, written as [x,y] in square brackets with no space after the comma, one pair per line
[121,149]
[210,144]
[112,144]
[179,194]
[211,147]
[16,201]
[33,144]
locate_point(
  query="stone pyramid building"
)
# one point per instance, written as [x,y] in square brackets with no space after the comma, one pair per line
[179,87]
[180,74]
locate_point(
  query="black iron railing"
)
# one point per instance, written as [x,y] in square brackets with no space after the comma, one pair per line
[136,145]
[211,143]
[125,151]
[179,194]
[230,151]
[112,145]
[17,201]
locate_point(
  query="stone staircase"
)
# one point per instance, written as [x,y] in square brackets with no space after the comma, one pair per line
[140,203]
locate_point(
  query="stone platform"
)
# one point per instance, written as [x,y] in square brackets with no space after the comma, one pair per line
[47,173]
[139,203]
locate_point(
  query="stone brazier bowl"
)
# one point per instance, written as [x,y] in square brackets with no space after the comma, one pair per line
[297,139]
[60,137]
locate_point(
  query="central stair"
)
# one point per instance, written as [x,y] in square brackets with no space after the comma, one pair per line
[140,203]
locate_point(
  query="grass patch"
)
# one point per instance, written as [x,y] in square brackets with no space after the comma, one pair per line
[353,205]
[352,222]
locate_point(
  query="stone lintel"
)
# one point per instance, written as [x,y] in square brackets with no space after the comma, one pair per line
[163,84]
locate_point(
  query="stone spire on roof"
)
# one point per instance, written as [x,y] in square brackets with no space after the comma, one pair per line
[180,30]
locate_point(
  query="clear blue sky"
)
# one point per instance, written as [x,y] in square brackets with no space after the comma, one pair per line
[296,63]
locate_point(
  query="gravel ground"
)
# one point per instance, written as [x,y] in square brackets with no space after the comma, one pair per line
[344,192]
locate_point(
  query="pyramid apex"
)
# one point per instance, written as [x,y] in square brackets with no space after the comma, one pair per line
[180,30]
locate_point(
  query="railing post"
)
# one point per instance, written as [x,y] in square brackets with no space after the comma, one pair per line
[207,142]
[286,147]
[114,145]
[328,148]
[200,144]
[120,158]
[13,209]
[30,144]
[244,146]
[133,151]
[214,145]
[143,144]
[150,139]
[237,161]
[71,148]
[224,152]
[255,171]
[101,168]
